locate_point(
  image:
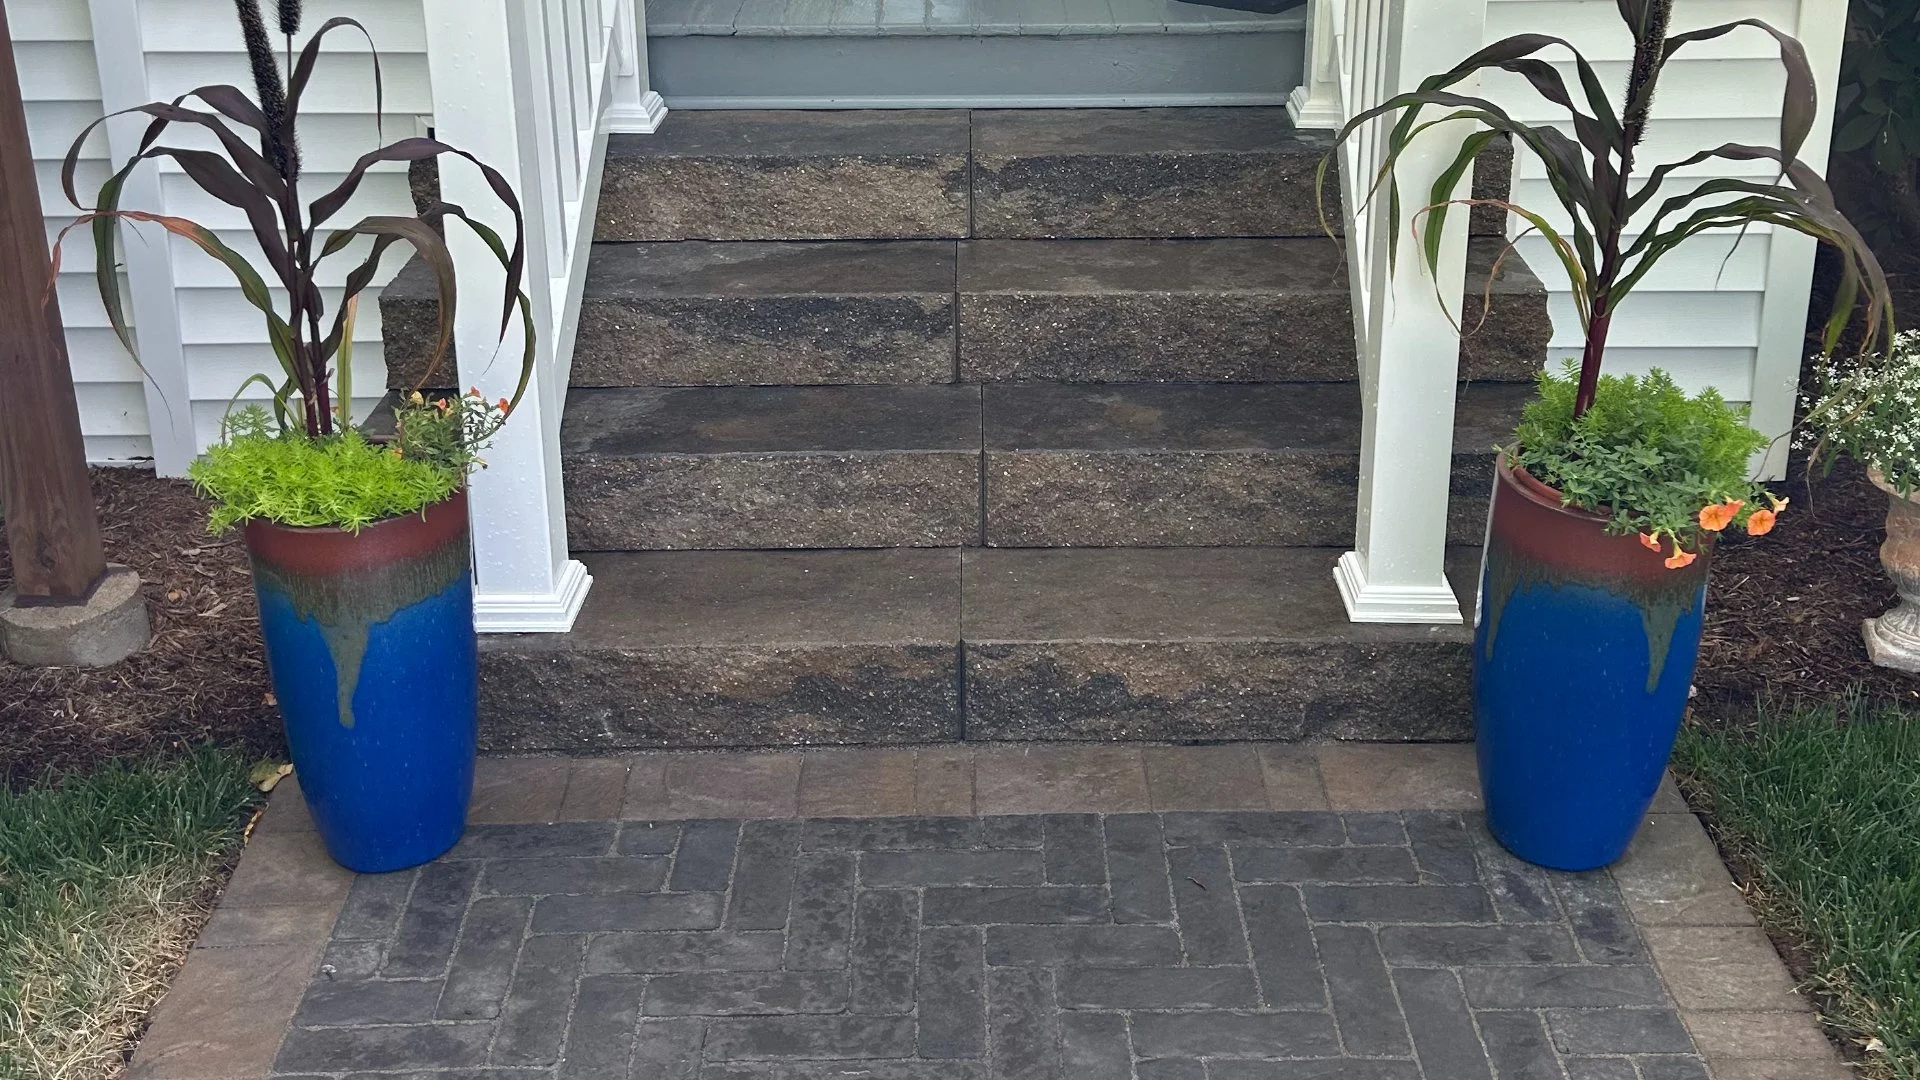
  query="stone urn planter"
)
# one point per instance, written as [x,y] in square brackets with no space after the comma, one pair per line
[1893,639]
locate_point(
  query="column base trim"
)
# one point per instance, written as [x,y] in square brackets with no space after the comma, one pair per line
[1307,113]
[641,119]
[1427,604]
[535,613]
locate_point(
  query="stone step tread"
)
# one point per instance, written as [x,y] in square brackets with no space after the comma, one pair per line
[780,18]
[1113,418]
[799,134]
[756,648]
[908,596]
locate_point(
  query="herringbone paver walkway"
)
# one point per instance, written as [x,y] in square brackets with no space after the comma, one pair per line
[1176,946]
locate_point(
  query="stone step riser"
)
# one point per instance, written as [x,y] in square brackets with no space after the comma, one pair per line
[695,313]
[1015,466]
[1036,499]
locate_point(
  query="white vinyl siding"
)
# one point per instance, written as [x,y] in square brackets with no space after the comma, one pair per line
[1720,310]
[187,44]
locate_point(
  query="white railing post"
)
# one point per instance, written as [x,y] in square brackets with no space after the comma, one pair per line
[1315,103]
[485,97]
[1409,344]
[119,50]
[637,108]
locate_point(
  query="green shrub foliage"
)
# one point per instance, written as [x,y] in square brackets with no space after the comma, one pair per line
[1646,456]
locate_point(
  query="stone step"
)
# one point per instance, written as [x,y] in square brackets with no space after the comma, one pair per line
[801,313]
[705,54]
[756,648]
[1002,173]
[1015,465]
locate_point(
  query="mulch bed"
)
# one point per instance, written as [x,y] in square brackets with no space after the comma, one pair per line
[203,679]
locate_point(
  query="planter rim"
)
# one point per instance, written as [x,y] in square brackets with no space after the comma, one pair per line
[1879,480]
[459,496]
[1539,491]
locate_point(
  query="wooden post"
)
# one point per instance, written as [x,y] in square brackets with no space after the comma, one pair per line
[53,530]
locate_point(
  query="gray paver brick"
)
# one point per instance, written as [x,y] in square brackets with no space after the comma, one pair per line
[1095,946]
[808,1038]
[981,905]
[1362,991]
[882,869]
[423,943]
[483,963]
[1158,988]
[1325,864]
[533,1019]
[600,1039]
[1442,846]
[591,874]
[1023,1024]
[1209,913]
[704,861]
[1567,986]
[1093,1046]
[1073,850]
[951,992]
[748,993]
[1599,917]
[663,952]
[1518,1046]
[763,882]
[1137,863]
[1618,1031]
[374,905]
[1398,903]
[820,924]
[626,911]
[1306,945]
[1443,1032]
[1230,1035]
[1278,932]
[885,940]
[413,1046]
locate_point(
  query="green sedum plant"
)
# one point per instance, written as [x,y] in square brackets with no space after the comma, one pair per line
[259,472]
[1647,457]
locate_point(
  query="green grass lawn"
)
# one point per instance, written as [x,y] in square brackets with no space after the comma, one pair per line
[1826,804]
[104,878]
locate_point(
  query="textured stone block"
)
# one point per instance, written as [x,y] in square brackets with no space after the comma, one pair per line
[1145,172]
[737,648]
[744,175]
[744,314]
[772,467]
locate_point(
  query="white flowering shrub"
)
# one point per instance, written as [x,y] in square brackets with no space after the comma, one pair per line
[1869,409]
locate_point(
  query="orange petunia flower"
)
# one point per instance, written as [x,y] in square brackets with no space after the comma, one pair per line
[1650,541]
[1717,517]
[1680,558]
[505,406]
[1760,522]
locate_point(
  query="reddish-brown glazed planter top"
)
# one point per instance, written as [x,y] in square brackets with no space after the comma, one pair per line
[315,551]
[1530,522]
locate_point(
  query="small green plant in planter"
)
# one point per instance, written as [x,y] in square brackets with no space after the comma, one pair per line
[360,551]
[1606,506]
[1868,408]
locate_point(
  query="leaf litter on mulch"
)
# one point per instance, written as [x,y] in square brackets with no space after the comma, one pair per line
[202,680]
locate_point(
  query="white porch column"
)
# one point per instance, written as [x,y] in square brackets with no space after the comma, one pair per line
[485,102]
[1315,103]
[636,107]
[1411,349]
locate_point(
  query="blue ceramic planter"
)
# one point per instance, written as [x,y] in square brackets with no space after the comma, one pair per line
[1582,660]
[371,644]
